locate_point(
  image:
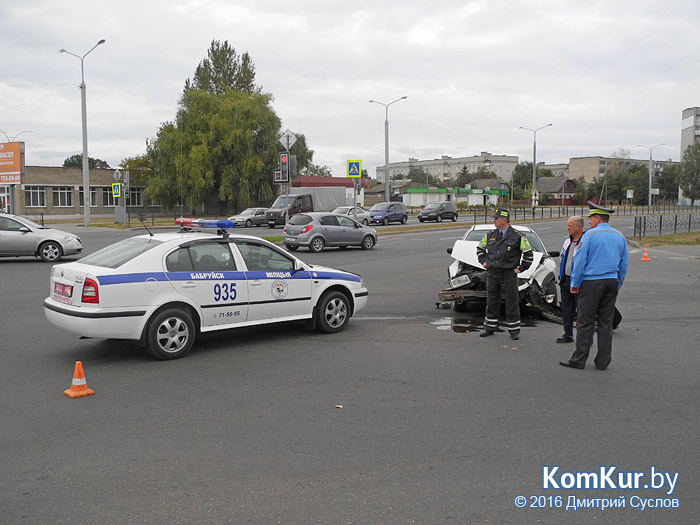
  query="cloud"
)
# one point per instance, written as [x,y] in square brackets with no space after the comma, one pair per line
[606,74]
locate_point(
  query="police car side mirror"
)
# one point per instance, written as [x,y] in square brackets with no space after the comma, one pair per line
[553,254]
[449,251]
[298,266]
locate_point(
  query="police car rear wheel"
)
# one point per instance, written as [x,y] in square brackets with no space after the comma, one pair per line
[170,334]
[332,312]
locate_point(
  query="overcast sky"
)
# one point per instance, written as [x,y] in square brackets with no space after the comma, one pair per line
[607,74]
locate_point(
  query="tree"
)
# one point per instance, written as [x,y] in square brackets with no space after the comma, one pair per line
[463,177]
[224,69]
[667,182]
[638,180]
[418,174]
[221,147]
[581,190]
[522,176]
[302,152]
[314,170]
[76,161]
[689,177]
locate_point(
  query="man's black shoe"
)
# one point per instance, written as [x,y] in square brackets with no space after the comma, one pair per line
[564,339]
[485,333]
[569,364]
[515,337]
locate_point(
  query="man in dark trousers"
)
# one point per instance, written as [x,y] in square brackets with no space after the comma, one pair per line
[568,300]
[504,252]
[600,266]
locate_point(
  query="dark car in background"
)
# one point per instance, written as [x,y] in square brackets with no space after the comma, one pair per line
[386,212]
[317,230]
[437,211]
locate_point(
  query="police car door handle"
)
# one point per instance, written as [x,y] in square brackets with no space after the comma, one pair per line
[189,284]
[256,282]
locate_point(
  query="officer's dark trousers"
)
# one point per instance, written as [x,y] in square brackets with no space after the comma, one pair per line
[596,303]
[568,306]
[502,283]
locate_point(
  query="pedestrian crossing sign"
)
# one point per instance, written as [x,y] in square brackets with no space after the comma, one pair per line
[116,189]
[354,168]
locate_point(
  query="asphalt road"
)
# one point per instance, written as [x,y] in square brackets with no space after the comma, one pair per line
[437,425]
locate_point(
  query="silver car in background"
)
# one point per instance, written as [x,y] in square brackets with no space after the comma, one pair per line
[354,212]
[316,230]
[22,237]
[250,217]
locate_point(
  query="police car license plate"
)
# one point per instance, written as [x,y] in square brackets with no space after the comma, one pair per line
[63,289]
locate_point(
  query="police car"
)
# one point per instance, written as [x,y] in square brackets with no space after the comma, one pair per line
[164,289]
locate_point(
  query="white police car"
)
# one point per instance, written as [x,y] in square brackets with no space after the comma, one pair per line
[165,288]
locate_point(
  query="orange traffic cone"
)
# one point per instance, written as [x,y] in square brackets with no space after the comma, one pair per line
[646,254]
[78,387]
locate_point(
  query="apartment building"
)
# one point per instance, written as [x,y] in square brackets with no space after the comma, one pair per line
[447,168]
[593,168]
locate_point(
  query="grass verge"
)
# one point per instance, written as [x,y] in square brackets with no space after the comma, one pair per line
[682,239]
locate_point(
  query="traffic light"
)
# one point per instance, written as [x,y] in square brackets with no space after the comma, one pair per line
[284,167]
[126,191]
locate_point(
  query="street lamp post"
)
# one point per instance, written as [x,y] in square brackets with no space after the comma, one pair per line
[83,102]
[386,145]
[650,148]
[534,161]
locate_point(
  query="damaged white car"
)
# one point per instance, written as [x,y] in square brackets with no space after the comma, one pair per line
[467,277]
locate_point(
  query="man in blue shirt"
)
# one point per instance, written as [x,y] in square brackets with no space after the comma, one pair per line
[599,269]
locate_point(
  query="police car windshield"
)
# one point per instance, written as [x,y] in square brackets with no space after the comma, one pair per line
[117,254]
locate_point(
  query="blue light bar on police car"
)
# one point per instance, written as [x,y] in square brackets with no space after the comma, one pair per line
[221,224]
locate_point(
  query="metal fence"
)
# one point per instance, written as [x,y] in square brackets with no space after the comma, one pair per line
[660,224]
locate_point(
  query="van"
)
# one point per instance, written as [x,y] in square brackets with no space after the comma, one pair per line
[286,206]
[386,212]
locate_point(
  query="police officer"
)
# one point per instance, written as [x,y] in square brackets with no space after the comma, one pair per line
[504,252]
[599,269]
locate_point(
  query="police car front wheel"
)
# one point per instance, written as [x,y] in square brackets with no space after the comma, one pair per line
[332,312]
[170,334]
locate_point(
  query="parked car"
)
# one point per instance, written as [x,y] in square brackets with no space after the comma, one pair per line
[386,212]
[317,230]
[21,237]
[437,211]
[165,289]
[354,212]
[250,217]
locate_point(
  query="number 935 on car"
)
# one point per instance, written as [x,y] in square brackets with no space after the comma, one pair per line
[165,289]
